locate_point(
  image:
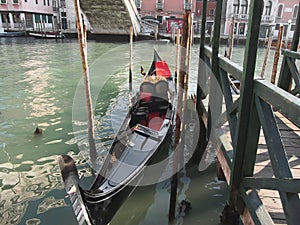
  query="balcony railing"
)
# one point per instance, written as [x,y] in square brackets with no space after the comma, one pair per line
[266,18]
[243,16]
[188,6]
[159,5]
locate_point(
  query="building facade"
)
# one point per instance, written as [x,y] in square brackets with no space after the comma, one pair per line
[26,14]
[275,13]
[210,15]
[168,13]
[38,15]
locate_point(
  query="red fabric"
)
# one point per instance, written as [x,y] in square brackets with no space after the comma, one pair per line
[145,96]
[155,121]
[162,69]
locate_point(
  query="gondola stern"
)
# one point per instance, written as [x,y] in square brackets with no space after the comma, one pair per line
[71,180]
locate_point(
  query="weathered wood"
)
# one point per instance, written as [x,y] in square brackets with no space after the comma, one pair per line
[290,201]
[247,128]
[276,56]
[201,77]
[231,38]
[130,60]
[83,52]
[258,212]
[215,96]
[291,54]
[279,99]
[266,56]
[284,184]
[183,70]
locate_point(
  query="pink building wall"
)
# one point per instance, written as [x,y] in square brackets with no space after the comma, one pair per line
[28,6]
[171,8]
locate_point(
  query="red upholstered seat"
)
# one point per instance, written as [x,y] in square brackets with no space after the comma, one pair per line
[145,96]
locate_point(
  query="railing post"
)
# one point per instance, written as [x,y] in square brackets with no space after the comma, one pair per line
[215,96]
[248,126]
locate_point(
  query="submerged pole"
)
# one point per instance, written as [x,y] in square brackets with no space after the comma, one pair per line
[183,78]
[177,53]
[266,55]
[231,38]
[83,52]
[130,62]
[277,54]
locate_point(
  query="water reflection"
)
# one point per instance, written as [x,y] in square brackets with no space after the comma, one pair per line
[28,181]
[39,87]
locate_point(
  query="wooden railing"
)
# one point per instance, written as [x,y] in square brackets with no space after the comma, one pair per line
[244,117]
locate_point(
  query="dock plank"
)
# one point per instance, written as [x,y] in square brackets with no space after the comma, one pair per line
[290,135]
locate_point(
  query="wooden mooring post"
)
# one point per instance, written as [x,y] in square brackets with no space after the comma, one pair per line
[182,94]
[81,29]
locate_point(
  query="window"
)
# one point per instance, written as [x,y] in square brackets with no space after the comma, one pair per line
[44,2]
[62,3]
[36,1]
[3,1]
[236,6]
[295,11]
[48,2]
[280,10]
[50,19]
[211,12]
[5,18]
[268,8]
[44,18]
[15,1]
[293,27]
[16,18]
[244,7]
[37,18]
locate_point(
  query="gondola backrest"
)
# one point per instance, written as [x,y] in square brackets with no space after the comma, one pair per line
[161,90]
[146,91]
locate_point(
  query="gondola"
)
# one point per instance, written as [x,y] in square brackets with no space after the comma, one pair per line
[141,136]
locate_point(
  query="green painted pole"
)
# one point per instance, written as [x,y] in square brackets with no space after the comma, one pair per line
[244,139]
[201,76]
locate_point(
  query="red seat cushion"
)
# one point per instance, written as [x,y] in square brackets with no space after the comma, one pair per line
[145,96]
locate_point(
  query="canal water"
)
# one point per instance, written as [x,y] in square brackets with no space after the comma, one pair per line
[41,86]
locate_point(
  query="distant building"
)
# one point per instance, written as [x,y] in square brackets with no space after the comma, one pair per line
[168,13]
[29,14]
[64,15]
[38,15]
[210,15]
[286,14]
[275,12]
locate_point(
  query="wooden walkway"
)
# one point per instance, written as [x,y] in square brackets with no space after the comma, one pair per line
[258,148]
[263,167]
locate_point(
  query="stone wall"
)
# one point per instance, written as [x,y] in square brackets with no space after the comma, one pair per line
[110,16]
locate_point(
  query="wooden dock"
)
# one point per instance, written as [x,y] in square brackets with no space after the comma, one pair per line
[263,166]
[256,133]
